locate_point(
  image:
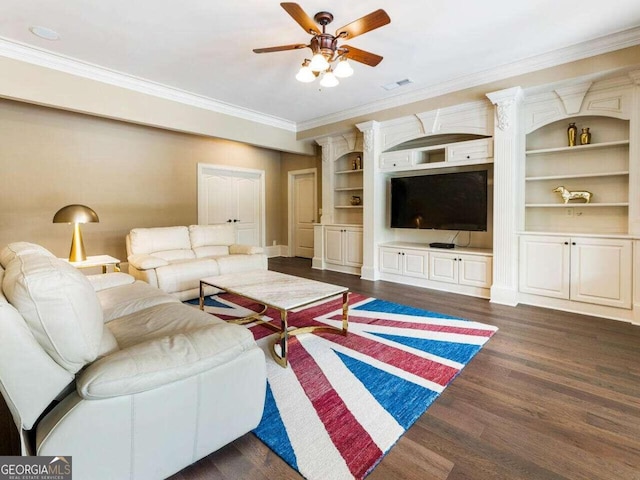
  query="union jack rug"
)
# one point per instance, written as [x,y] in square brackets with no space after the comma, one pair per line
[343,402]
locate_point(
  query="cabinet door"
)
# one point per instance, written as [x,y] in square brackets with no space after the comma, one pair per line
[544,266]
[353,247]
[474,270]
[391,160]
[415,264]
[333,248]
[476,150]
[601,271]
[390,261]
[443,267]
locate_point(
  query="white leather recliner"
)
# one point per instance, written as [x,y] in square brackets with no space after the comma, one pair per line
[122,377]
[174,259]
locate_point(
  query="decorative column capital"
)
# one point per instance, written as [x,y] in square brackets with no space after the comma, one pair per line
[635,77]
[504,101]
[325,145]
[368,129]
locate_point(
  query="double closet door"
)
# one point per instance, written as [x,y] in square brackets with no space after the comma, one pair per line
[232,196]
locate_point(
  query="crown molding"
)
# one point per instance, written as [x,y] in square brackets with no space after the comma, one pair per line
[44,58]
[609,43]
[606,44]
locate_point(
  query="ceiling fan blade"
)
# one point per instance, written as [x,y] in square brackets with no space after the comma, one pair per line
[299,15]
[281,48]
[361,56]
[374,20]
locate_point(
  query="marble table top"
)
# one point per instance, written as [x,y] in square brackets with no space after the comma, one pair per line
[275,289]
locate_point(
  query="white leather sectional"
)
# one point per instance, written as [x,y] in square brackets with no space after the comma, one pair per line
[121,376]
[174,259]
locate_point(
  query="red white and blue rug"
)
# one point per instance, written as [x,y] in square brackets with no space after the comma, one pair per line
[343,402]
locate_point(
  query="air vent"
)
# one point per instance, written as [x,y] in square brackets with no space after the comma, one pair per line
[399,83]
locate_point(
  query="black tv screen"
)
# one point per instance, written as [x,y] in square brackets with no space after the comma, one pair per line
[448,201]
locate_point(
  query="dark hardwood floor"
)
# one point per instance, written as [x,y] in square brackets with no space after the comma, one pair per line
[552,395]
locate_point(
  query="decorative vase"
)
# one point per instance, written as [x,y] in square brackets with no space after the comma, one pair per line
[585,136]
[358,162]
[572,134]
[354,164]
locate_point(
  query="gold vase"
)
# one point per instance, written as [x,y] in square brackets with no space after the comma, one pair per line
[572,134]
[585,136]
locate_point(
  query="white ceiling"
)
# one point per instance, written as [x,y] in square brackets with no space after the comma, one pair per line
[205,48]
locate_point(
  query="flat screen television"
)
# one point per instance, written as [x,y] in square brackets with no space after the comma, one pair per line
[447,201]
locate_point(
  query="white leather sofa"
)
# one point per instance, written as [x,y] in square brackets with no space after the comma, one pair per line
[124,378]
[174,259]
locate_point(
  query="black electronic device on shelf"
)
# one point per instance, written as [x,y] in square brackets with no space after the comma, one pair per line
[441,245]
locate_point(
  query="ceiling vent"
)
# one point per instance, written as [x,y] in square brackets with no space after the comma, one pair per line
[399,83]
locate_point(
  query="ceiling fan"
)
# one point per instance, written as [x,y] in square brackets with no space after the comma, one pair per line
[325,46]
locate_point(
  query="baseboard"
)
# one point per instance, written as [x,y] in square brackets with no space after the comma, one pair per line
[504,296]
[277,251]
[369,273]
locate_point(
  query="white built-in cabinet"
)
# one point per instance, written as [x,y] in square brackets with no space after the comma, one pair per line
[338,239]
[343,245]
[575,255]
[580,269]
[458,154]
[460,268]
[404,261]
[463,270]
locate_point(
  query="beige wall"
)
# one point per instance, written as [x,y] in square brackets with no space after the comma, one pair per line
[131,175]
[49,87]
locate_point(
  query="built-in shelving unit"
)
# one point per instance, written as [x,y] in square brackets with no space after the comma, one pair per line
[601,167]
[338,239]
[347,188]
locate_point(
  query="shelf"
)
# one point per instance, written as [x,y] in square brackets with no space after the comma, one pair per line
[351,207]
[347,189]
[572,205]
[592,146]
[343,172]
[580,175]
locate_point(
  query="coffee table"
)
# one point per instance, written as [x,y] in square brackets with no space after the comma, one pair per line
[283,293]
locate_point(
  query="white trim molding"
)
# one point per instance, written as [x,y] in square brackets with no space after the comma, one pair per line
[43,58]
[606,44]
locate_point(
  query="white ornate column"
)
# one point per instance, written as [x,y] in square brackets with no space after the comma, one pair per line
[634,190]
[326,144]
[373,212]
[508,160]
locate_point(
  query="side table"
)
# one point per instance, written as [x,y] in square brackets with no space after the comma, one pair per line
[103,261]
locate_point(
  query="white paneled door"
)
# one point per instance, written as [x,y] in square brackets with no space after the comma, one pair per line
[230,195]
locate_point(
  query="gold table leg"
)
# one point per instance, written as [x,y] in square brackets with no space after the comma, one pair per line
[285,333]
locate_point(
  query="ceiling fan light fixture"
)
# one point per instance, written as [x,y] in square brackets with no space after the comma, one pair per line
[343,69]
[329,80]
[329,60]
[305,74]
[318,63]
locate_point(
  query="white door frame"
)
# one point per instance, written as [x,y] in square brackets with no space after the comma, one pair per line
[205,169]
[291,175]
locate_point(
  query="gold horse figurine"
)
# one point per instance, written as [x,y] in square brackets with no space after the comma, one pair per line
[567,195]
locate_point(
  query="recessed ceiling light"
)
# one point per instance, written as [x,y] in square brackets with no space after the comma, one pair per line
[44,32]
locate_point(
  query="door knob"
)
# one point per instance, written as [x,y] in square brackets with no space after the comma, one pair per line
[229,221]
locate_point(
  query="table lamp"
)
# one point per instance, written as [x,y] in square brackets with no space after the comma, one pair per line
[76,214]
